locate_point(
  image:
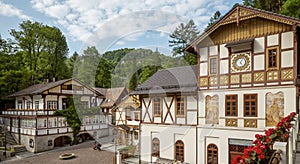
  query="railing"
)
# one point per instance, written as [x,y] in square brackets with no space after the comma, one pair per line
[28,112]
[54,130]
[288,148]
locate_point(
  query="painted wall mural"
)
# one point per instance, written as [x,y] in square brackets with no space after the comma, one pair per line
[274,108]
[212,109]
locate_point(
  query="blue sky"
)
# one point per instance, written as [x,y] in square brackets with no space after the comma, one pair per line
[111,24]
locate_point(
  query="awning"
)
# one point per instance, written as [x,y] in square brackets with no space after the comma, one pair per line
[240,43]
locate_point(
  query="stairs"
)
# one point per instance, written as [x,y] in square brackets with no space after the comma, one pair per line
[11,142]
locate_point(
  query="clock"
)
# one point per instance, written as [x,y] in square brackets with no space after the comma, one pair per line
[240,62]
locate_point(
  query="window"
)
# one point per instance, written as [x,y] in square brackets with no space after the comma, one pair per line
[180,105]
[272,58]
[52,104]
[156,106]
[37,104]
[235,150]
[19,104]
[231,105]
[212,154]
[28,104]
[65,103]
[45,123]
[67,87]
[136,135]
[179,151]
[155,147]
[136,115]
[213,65]
[250,105]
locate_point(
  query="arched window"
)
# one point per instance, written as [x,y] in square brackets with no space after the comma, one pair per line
[212,154]
[155,147]
[179,151]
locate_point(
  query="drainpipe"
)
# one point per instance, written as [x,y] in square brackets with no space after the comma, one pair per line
[197,97]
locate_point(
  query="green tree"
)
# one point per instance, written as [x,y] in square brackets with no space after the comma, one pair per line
[55,51]
[44,50]
[71,63]
[291,8]
[274,6]
[181,37]
[133,82]
[103,76]
[213,19]
[30,41]
[87,65]
[73,116]
[13,75]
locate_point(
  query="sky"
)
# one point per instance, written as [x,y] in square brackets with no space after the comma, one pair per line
[112,24]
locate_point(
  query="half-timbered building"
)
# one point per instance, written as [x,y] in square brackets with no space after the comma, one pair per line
[168,115]
[127,116]
[33,124]
[248,79]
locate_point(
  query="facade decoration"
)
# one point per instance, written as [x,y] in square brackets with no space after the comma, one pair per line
[212,110]
[274,108]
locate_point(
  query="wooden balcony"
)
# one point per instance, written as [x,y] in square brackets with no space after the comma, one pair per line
[28,112]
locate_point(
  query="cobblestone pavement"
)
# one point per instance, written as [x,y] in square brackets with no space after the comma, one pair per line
[84,155]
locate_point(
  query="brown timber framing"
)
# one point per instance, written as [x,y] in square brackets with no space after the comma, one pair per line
[242,23]
[167,106]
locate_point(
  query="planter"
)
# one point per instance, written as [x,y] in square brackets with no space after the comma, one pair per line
[282,146]
[66,156]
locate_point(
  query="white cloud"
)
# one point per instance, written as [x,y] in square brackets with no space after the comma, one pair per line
[120,43]
[110,20]
[11,11]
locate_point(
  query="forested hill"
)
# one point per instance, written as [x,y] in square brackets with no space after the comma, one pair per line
[38,53]
[120,68]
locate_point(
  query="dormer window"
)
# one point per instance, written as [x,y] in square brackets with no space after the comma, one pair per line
[240,46]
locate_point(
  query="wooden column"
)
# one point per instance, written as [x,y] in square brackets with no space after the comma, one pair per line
[31,102]
[44,101]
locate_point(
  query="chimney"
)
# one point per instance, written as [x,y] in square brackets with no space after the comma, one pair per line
[46,81]
[53,79]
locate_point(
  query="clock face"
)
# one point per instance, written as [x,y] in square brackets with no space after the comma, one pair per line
[240,62]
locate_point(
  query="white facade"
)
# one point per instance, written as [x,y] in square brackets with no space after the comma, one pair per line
[247,81]
[39,130]
[169,128]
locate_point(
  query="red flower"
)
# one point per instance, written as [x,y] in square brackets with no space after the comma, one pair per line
[269,132]
[286,136]
[261,156]
[238,159]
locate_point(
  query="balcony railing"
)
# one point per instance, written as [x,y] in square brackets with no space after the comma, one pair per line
[53,130]
[28,112]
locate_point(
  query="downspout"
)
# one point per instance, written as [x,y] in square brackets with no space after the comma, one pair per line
[197,97]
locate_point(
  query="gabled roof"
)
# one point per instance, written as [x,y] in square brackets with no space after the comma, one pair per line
[128,101]
[171,80]
[239,13]
[40,88]
[113,96]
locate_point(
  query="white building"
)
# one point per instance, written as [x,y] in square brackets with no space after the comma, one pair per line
[248,79]
[33,124]
[169,115]
[127,115]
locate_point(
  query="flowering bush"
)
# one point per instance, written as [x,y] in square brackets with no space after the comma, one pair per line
[262,149]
